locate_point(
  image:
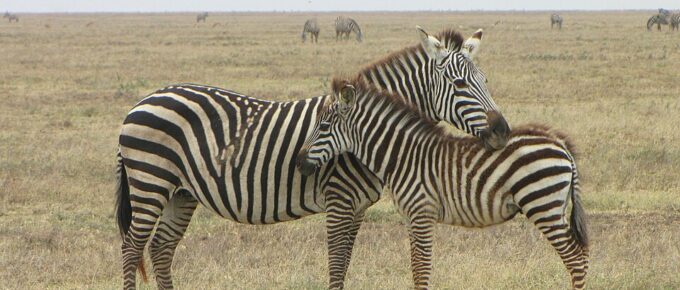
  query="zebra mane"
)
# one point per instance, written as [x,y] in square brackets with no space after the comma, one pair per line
[451,39]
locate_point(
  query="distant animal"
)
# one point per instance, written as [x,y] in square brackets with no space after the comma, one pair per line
[675,21]
[311,27]
[89,24]
[555,19]
[201,17]
[11,17]
[658,20]
[346,25]
[664,11]
[436,178]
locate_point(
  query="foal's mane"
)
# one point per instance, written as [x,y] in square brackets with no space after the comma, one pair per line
[397,103]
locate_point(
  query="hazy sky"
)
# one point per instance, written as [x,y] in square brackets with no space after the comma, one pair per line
[321,5]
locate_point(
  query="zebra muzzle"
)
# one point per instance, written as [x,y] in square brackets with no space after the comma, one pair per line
[498,133]
[303,164]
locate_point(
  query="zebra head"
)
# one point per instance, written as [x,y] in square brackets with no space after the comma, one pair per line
[328,138]
[459,90]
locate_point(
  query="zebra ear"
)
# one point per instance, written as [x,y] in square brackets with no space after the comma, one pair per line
[471,46]
[347,96]
[433,47]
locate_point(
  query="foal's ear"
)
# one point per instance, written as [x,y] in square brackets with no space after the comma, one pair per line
[348,96]
[432,46]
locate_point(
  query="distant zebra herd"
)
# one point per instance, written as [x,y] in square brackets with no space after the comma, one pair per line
[664,17]
[344,26]
[260,162]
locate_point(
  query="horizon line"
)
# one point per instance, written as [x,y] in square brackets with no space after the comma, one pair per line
[329,11]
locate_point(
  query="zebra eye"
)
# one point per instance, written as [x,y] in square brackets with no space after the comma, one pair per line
[324,126]
[460,83]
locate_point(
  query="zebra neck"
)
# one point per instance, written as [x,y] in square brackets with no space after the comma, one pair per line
[408,75]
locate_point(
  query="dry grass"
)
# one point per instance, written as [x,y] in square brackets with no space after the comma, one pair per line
[67,81]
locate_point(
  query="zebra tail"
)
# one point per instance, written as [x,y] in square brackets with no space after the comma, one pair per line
[124,208]
[578,215]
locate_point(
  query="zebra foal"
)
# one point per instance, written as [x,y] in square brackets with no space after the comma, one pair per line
[437,178]
[190,144]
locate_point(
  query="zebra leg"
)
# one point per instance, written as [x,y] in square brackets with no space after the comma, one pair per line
[550,219]
[171,227]
[342,225]
[146,209]
[421,231]
[358,220]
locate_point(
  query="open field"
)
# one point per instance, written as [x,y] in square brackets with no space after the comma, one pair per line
[67,82]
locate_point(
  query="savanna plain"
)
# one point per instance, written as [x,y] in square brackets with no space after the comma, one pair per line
[68,80]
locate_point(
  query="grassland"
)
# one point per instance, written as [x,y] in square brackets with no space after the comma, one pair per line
[67,82]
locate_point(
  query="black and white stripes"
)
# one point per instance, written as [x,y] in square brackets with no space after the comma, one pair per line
[435,178]
[189,144]
[312,27]
[345,26]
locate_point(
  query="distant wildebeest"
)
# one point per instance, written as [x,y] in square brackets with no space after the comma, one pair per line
[346,25]
[201,17]
[11,17]
[555,19]
[311,27]
[675,21]
[658,20]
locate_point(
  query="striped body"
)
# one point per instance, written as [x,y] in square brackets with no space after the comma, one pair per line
[658,20]
[675,21]
[345,26]
[436,178]
[312,27]
[201,17]
[555,19]
[191,144]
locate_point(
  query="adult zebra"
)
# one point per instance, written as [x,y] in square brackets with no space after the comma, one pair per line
[555,19]
[201,17]
[345,26]
[675,21]
[658,20]
[187,144]
[312,27]
[436,178]
[11,17]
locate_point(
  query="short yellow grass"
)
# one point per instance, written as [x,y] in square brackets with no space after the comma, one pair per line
[67,82]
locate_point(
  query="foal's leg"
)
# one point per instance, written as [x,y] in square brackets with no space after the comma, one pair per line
[421,231]
[171,228]
[549,216]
